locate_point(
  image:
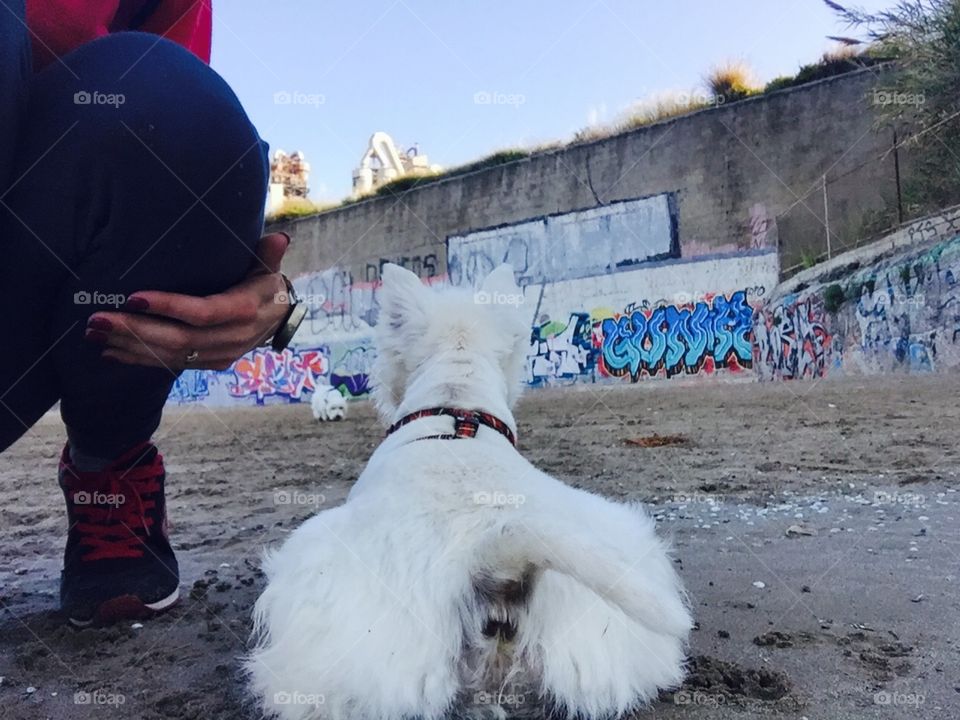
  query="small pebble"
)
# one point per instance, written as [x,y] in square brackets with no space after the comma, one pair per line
[759,584]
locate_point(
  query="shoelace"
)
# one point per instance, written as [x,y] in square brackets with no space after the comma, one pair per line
[113,531]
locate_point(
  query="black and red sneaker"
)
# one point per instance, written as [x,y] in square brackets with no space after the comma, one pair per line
[118,563]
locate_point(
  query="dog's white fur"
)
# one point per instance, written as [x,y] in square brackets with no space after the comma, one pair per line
[375,610]
[327,403]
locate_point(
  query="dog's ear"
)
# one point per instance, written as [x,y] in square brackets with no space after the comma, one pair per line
[507,300]
[403,300]
[501,282]
[403,319]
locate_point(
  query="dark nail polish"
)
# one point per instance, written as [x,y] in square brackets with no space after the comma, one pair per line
[99,323]
[96,337]
[137,304]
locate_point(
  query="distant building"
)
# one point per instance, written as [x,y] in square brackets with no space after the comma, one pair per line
[382,162]
[288,179]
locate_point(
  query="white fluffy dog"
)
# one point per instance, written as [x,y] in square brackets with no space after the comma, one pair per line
[327,403]
[457,580]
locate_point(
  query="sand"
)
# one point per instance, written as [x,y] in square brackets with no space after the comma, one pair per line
[815,526]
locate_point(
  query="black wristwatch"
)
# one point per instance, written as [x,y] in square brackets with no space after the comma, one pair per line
[295,316]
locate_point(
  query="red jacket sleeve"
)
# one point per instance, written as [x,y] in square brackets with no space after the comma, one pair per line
[59,26]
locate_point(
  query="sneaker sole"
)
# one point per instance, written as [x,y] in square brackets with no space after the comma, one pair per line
[126,607]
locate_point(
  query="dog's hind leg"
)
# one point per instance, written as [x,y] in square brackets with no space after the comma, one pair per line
[495,685]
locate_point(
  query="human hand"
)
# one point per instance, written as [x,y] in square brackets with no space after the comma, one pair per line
[166,329]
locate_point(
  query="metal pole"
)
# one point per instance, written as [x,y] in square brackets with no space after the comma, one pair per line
[896,171]
[826,217]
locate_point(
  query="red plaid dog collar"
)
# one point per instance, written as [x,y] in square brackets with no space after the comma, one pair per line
[465,423]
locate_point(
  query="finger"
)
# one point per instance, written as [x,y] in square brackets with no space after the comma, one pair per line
[206,311]
[129,358]
[132,349]
[143,356]
[166,338]
[270,251]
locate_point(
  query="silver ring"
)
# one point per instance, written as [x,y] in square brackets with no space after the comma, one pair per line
[192,356]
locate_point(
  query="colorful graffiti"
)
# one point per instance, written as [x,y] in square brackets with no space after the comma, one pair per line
[679,339]
[561,353]
[900,314]
[791,340]
[264,373]
[351,374]
[192,386]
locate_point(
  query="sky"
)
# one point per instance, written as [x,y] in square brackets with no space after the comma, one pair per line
[464,78]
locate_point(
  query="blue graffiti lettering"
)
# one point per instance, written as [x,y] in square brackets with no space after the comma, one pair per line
[679,339]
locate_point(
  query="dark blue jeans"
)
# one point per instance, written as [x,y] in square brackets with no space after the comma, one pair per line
[128,165]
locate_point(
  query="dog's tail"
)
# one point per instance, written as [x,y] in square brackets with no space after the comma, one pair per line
[643,585]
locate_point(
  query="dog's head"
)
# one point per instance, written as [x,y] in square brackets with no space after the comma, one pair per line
[450,327]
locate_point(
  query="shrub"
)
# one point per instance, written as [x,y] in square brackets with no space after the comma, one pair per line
[297,207]
[833,298]
[808,259]
[779,83]
[409,182]
[731,81]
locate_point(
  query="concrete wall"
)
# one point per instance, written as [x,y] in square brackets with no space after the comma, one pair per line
[651,254]
[608,294]
[891,307]
[733,171]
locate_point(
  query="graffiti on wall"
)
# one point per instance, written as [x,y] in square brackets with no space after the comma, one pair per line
[340,306]
[907,316]
[791,340]
[900,315]
[609,296]
[192,386]
[582,243]
[561,353]
[288,374]
[351,373]
[679,339]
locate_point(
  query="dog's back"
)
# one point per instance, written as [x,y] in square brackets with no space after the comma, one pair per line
[458,582]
